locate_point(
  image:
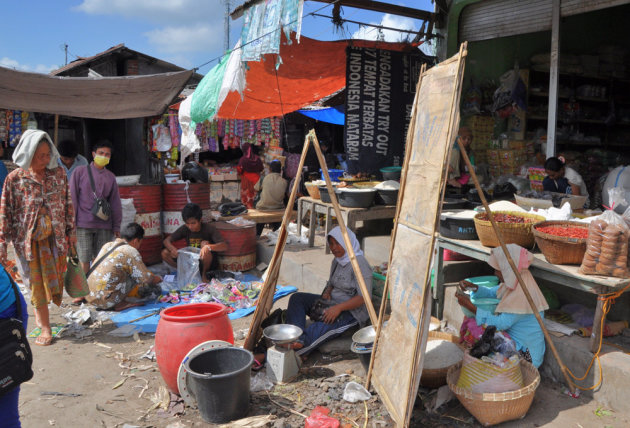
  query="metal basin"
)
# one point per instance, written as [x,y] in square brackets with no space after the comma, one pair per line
[282,333]
[365,336]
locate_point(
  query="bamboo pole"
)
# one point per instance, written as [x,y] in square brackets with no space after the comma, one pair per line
[344,230]
[471,170]
[265,302]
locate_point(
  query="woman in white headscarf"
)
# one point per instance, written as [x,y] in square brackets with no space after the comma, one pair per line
[344,304]
[513,314]
[36,215]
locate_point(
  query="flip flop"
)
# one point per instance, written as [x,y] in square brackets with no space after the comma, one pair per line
[78,301]
[43,341]
[257,365]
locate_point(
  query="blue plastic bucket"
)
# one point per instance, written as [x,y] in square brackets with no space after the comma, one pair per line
[484,281]
[333,173]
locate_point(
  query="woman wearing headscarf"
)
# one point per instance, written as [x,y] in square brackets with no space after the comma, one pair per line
[345,304]
[513,314]
[249,168]
[36,215]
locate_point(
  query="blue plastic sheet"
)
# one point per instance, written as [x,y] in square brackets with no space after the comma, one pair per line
[334,115]
[149,324]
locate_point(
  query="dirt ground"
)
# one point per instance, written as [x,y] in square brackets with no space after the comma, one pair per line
[102,381]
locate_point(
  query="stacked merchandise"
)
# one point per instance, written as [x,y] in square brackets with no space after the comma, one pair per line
[482,128]
[233,133]
[4,133]
[509,160]
[12,124]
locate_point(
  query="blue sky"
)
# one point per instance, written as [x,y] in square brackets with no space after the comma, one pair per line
[185,32]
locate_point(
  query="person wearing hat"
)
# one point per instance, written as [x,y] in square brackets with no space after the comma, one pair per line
[272,189]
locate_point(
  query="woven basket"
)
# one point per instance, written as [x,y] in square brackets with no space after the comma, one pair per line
[313,190]
[494,408]
[513,233]
[434,378]
[560,250]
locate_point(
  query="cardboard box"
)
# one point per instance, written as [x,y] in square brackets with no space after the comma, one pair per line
[230,176]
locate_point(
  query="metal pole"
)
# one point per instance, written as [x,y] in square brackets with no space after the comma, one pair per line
[552,114]
[226,27]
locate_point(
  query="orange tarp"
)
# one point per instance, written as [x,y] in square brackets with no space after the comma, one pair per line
[310,70]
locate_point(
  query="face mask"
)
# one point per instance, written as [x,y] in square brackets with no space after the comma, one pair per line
[101,160]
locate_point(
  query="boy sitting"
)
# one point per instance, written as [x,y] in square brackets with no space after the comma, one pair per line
[197,235]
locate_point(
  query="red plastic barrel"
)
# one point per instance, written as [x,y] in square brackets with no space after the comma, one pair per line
[241,242]
[176,196]
[183,327]
[147,199]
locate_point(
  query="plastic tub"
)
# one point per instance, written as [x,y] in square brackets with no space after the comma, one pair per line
[219,380]
[324,195]
[387,196]
[181,328]
[484,281]
[453,226]
[356,198]
[333,173]
[391,173]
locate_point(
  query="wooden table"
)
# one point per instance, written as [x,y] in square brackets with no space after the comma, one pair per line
[560,274]
[257,216]
[350,215]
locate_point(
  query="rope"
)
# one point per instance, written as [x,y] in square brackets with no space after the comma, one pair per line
[609,300]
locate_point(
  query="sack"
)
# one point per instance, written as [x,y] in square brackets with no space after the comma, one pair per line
[101,209]
[316,311]
[16,357]
[231,209]
[75,282]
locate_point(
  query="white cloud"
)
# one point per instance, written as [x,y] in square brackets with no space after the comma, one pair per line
[39,68]
[371,33]
[186,39]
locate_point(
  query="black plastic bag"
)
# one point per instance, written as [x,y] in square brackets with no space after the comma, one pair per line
[231,209]
[194,173]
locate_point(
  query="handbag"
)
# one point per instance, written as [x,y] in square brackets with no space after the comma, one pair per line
[101,208]
[317,309]
[75,281]
[16,357]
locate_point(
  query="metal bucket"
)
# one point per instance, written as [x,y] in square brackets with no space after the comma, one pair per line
[147,199]
[176,196]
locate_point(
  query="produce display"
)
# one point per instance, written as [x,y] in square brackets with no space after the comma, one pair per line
[565,231]
[507,218]
[607,247]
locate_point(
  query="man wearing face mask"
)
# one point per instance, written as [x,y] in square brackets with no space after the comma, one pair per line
[87,186]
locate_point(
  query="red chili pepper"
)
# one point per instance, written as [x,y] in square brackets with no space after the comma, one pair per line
[565,231]
[507,218]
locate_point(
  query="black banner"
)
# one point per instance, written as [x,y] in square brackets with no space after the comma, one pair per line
[380,88]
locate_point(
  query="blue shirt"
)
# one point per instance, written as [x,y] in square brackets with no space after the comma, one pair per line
[7,295]
[523,328]
[3,175]
[78,161]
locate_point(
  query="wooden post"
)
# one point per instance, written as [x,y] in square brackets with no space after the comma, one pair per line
[344,231]
[56,133]
[471,170]
[265,300]
[552,113]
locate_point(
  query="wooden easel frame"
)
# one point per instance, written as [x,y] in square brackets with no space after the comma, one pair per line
[265,301]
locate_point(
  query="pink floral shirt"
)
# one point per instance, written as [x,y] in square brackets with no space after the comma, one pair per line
[22,197]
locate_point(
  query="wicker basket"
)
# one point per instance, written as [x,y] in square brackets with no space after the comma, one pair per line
[561,250]
[313,190]
[434,378]
[494,408]
[513,233]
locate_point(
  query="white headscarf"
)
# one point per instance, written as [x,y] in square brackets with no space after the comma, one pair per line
[356,247]
[23,154]
[512,297]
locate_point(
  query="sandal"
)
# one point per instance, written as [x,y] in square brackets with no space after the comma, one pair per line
[257,365]
[43,341]
[78,301]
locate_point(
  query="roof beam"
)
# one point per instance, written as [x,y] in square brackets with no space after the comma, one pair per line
[378,6]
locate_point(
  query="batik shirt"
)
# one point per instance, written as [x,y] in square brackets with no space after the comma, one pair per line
[115,276]
[22,198]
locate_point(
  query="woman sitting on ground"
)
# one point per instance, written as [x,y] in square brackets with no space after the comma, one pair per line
[513,314]
[346,305]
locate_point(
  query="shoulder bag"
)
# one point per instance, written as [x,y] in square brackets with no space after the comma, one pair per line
[16,357]
[75,281]
[101,208]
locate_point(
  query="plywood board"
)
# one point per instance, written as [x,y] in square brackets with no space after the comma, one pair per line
[401,343]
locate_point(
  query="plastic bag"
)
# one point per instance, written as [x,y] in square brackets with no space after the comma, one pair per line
[128,211]
[161,138]
[319,419]
[607,242]
[485,377]
[354,392]
[260,382]
[188,267]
